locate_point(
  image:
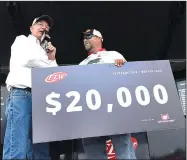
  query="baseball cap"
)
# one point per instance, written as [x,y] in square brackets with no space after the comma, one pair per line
[44,17]
[92,32]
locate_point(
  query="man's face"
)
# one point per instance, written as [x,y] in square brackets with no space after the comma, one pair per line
[91,42]
[38,28]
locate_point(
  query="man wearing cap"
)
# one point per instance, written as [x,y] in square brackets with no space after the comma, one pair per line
[95,148]
[26,53]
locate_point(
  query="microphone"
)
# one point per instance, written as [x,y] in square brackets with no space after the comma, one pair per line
[45,39]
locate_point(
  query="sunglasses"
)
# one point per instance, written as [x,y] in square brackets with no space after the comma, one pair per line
[88,36]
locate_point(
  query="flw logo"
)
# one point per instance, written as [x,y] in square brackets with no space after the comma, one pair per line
[55,77]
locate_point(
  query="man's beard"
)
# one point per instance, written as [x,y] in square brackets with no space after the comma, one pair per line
[88,46]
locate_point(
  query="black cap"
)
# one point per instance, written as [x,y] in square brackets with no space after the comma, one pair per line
[88,32]
[44,17]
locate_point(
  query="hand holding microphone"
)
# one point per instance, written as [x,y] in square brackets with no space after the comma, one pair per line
[50,49]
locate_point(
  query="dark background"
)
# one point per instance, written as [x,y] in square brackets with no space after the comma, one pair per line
[138,30]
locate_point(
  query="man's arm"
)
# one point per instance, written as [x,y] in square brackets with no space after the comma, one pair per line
[26,55]
[117,55]
[82,63]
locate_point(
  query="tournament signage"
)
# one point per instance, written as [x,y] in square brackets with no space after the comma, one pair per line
[181,86]
[4,96]
[71,102]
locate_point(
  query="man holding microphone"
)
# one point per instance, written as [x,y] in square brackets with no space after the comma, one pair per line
[26,53]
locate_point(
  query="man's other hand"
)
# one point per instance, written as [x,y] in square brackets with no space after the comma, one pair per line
[119,62]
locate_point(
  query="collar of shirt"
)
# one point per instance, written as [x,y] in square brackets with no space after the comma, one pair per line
[34,39]
[102,49]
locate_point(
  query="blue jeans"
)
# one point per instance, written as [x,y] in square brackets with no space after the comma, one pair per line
[18,134]
[95,148]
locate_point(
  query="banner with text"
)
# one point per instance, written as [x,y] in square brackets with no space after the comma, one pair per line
[71,102]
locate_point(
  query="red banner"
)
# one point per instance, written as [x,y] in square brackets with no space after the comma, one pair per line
[110,148]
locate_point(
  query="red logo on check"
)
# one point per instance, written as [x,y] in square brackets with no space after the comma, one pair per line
[55,77]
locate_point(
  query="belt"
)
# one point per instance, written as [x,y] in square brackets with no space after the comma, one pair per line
[26,89]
